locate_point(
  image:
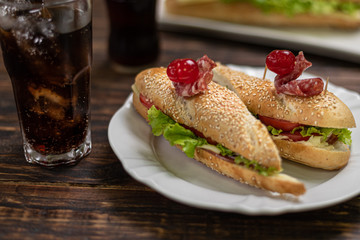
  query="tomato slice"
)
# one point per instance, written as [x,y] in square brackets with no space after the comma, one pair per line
[278,124]
[295,137]
[146,102]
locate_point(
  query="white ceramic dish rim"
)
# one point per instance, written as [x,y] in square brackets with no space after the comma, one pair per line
[153,162]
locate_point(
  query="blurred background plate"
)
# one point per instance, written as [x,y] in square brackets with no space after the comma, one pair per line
[344,45]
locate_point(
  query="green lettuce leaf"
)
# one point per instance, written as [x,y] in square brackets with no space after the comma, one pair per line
[162,124]
[274,131]
[158,121]
[293,7]
[224,151]
[343,134]
[178,135]
[265,171]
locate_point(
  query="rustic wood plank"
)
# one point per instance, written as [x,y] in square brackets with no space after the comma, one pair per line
[114,212]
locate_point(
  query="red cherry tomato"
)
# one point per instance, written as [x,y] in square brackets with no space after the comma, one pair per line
[278,124]
[146,102]
[183,70]
[281,61]
[295,137]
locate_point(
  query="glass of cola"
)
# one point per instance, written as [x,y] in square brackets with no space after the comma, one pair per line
[133,39]
[47,51]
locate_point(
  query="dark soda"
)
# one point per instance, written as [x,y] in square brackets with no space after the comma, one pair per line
[50,73]
[133,39]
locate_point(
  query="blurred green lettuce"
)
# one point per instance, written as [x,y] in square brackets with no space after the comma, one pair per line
[293,7]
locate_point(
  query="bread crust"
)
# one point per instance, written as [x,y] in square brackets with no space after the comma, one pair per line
[313,156]
[217,113]
[260,97]
[324,110]
[279,183]
[246,13]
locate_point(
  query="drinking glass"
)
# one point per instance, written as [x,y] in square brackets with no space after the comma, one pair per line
[133,40]
[47,51]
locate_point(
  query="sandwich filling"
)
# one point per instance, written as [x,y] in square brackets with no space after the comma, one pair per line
[314,7]
[316,136]
[294,7]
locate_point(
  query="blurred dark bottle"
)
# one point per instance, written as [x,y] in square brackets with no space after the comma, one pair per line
[133,40]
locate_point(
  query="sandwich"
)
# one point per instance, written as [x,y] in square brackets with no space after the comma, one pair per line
[342,14]
[210,124]
[309,124]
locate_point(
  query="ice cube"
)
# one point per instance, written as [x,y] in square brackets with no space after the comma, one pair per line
[48,95]
[42,107]
[8,13]
[6,22]
[31,34]
[48,102]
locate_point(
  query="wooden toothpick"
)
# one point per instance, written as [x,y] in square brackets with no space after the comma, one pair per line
[265,70]
[326,85]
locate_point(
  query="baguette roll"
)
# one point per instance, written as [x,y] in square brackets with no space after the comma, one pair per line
[323,110]
[222,117]
[244,12]
[313,156]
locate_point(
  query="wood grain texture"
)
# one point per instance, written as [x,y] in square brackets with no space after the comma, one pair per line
[97,199]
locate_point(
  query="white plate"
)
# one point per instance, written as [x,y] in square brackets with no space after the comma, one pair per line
[326,42]
[152,161]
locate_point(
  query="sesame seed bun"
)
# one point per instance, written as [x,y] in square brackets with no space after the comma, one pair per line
[219,114]
[323,110]
[313,156]
[260,97]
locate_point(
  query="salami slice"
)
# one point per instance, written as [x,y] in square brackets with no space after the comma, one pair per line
[290,85]
[205,65]
[301,87]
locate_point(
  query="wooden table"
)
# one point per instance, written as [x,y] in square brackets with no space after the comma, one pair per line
[97,199]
